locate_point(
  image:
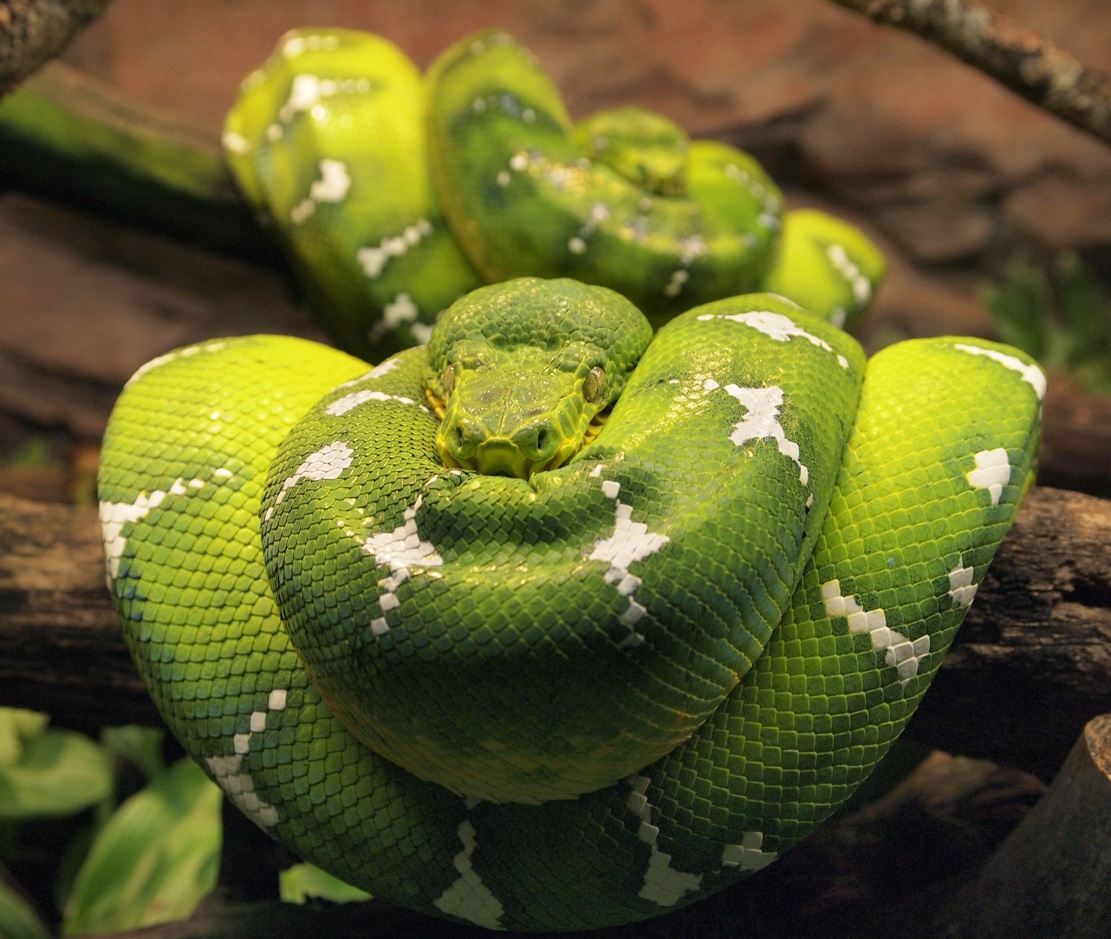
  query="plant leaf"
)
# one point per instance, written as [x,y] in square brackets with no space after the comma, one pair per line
[58,773]
[141,746]
[154,860]
[1021,308]
[16,727]
[17,919]
[302,881]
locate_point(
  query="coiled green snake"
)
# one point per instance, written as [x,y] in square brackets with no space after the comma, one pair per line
[394,194]
[615,685]
[555,623]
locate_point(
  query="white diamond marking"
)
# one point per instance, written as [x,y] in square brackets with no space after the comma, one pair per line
[901,653]
[961,588]
[663,884]
[468,897]
[992,472]
[631,541]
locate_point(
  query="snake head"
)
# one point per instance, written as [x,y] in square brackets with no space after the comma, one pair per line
[522,373]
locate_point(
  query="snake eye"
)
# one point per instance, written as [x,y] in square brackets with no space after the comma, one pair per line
[449,381]
[594,385]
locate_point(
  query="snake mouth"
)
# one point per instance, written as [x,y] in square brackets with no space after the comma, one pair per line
[500,456]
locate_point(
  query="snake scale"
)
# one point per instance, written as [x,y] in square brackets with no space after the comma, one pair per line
[557,621]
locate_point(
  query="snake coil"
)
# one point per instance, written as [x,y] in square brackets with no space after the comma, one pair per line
[542,697]
[395,194]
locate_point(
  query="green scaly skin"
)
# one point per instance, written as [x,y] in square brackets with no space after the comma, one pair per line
[619,685]
[389,218]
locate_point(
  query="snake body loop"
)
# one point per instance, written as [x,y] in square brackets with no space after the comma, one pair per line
[394,195]
[584,695]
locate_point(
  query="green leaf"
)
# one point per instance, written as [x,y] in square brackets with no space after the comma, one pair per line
[302,881]
[17,919]
[56,772]
[141,746]
[1021,308]
[155,858]
[16,727]
[1086,313]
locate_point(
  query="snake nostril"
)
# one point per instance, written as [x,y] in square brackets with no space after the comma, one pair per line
[538,440]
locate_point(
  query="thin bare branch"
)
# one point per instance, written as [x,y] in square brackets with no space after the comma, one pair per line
[1006,50]
[34,31]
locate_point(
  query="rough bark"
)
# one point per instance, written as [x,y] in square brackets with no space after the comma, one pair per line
[33,31]
[1031,665]
[1032,662]
[61,649]
[1007,51]
[1052,876]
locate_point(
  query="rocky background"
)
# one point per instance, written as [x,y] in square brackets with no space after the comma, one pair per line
[950,173]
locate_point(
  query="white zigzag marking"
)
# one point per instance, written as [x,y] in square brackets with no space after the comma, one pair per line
[993,472]
[114,515]
[468,897]
[901,652]
[373,259]
[663,884]
[1031,374]
[342,405]
[860,285]
[239,785]
[779,327]
[399,549]
[961,589]
[332,186]
[171,356]
[761,420]
[747,855]
[631,541]
[328,462]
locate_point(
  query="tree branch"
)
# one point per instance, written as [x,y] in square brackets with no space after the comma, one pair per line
[1007,51]
[1029,667]
[33,31]
[72,138]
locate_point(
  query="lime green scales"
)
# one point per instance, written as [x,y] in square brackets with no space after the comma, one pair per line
[416,643]
[389,217]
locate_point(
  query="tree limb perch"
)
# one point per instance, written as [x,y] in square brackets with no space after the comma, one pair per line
[34,31]
[1006,50]
[1030,666]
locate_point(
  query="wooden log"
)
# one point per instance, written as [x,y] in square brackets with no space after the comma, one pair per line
[1032,661]
[1030,666]
[68,137]
[33,31]
[61,649]
[1052,876]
